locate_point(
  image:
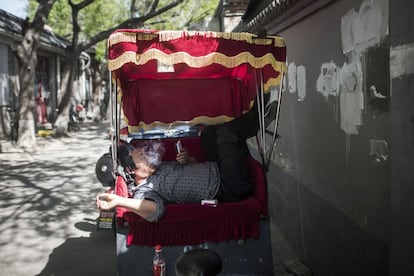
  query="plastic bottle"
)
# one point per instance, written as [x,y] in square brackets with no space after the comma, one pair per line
[158,263]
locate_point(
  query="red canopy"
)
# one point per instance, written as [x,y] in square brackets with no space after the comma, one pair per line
[195,77]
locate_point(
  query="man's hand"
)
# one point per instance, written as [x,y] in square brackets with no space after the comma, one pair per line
[141,207]
[106,201]
[183,157]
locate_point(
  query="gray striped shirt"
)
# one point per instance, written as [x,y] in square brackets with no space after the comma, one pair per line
[176,183]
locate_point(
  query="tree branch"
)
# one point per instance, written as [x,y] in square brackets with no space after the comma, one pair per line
[133,8]
[154,6]
[105,34]
[75,11]
[42,12]
[80,5]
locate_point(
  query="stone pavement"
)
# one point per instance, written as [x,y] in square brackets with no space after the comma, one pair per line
[47,208]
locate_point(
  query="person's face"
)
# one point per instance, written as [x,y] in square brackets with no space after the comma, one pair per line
[141,172]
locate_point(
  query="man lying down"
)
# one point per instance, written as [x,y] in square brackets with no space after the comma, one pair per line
[152,183]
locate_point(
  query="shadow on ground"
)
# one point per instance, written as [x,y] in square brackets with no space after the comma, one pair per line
[93,255]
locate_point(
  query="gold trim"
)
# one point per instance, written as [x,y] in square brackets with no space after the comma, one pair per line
[195,121]
[263,41]
[271,82]
[195,62]
[279,42]
[121,37]
[126,36]
[129,37]
[199,62]
[145,36]
[266,86]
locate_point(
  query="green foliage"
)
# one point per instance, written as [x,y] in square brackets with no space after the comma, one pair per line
[105,14]
[102,15]
[184,16]
[60,18]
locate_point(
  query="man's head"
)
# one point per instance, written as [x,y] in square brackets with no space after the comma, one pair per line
[143,160]
[149,153]
[124,156]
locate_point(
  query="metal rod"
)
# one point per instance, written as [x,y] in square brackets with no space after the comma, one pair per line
[274,134]
[112,99]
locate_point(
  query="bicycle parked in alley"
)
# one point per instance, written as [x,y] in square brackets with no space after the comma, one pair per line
[9,122]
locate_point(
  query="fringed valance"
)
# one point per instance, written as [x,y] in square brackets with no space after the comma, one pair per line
[196,61]
[137,35]
[200,120]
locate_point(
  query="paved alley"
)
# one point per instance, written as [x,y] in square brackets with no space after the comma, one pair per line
[48,214]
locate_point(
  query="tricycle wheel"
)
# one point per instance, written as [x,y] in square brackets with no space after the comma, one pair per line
[103,170]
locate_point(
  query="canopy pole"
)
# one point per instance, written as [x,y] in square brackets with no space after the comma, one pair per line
[260,111]
[113,133]
[261,137]
[275,134]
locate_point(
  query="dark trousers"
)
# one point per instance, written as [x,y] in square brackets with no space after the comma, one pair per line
[226,145]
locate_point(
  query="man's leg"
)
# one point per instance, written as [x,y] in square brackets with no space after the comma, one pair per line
[209,143]
[246,126]
[232,156]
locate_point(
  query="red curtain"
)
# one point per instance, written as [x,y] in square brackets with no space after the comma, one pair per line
[167,100]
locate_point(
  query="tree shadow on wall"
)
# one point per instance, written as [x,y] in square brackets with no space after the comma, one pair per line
[93,255]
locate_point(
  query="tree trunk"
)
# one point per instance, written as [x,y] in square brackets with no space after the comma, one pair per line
[61,124]
[97,90]
[27,56]
[28,62]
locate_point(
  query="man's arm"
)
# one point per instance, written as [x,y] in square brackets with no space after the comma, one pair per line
[142,207]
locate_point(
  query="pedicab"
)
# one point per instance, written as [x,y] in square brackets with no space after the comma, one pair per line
[165,85]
